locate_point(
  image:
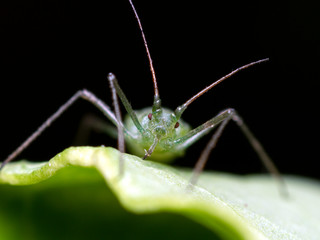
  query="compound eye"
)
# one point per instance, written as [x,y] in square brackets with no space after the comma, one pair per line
[177,125]
[150,116]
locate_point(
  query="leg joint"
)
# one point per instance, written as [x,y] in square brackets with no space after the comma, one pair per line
[84,93]
[231,111]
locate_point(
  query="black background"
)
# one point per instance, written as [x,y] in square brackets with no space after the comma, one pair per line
[50,49]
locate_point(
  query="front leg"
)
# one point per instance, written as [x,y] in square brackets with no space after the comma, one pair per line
[195,134]
[223,118]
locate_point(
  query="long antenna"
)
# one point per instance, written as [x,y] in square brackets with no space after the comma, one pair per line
[183,107]
[156,91]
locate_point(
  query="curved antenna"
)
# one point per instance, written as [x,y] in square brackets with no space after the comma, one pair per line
[156,91]
[180,109]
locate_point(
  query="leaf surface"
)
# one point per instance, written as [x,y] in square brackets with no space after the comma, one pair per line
[67,198]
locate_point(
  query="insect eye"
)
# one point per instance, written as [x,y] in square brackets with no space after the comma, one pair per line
[177,125]
[150,116]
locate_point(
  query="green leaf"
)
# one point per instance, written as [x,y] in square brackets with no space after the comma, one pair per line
[66,198]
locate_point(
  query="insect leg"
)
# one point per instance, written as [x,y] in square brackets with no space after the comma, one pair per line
[200,164]
[126,103]
[223,118]
[121,143]
[84,94]
[195,134]
[266,160]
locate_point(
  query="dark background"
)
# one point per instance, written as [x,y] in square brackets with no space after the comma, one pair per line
[50,49]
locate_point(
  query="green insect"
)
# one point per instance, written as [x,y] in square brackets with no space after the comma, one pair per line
[155,132]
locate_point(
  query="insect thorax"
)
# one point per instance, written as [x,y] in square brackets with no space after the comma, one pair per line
[164,126]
